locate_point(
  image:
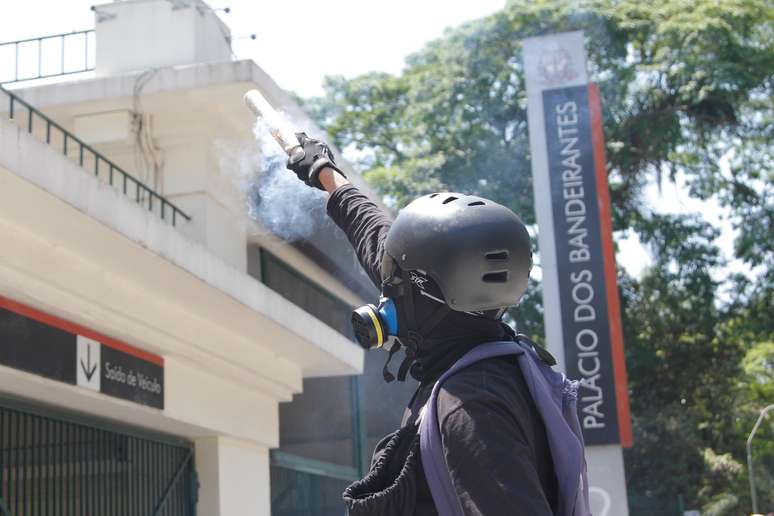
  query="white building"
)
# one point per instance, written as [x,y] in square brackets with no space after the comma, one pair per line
[150,336]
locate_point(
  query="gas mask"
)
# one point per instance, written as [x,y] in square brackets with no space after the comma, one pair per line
[392,324]
[374,325]
[377,327]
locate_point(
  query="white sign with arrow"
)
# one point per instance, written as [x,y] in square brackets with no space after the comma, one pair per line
[88,363]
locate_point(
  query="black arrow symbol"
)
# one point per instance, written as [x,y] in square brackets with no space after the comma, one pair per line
[86,371]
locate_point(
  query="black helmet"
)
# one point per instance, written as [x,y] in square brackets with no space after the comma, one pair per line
[477,251]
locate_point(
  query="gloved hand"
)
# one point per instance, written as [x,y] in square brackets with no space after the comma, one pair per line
[315,156]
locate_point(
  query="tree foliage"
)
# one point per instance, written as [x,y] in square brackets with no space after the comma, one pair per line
[687,89]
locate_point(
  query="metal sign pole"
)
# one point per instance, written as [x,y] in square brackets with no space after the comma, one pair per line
[753,494]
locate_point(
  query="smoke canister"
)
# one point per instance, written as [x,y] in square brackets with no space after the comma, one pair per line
[278,127]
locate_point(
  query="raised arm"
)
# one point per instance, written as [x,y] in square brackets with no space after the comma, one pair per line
[364,223]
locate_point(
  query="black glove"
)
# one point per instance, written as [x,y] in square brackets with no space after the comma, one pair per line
[311,159]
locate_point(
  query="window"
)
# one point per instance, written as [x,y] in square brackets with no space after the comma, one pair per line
[328,432]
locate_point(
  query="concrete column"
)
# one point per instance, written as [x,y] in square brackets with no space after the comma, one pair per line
[194,180]
[234,477]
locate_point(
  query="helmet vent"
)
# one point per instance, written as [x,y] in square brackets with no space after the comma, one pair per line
[449,199]
[433,195]
[476,203]
[496,256]
[495,277]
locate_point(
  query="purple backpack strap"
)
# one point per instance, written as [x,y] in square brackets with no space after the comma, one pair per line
[556,400]
[554,396]
[431,449]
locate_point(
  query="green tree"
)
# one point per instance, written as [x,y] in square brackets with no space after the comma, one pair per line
[687,88]
[684,373]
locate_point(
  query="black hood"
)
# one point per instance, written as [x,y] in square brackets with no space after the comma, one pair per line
[454,335]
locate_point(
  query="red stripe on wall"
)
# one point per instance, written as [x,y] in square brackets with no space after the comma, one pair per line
[70,327]
[611,284]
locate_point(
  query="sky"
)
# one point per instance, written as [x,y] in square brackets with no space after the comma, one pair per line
[298,43]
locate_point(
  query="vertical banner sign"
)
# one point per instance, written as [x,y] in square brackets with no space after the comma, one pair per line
[582,312]
[578,244]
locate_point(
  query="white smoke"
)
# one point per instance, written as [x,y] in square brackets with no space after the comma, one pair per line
[274,199]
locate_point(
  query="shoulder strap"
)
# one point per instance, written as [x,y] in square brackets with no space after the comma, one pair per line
[554,397]
[431,449]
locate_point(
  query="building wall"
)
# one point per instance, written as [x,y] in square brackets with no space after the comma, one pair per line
[129,35]
[315,462]
[77,245]
[76,248]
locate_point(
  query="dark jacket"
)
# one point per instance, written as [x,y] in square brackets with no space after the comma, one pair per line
[494,439]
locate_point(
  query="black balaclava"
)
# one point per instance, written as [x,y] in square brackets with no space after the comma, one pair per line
[455,334]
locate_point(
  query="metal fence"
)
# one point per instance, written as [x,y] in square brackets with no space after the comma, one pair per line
[55,467]
[65,54]
[45,129]
[298,493]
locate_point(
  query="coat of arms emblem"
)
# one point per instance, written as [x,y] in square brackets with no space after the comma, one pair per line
[556,67]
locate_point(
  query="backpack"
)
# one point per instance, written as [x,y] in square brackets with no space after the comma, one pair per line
[555,397]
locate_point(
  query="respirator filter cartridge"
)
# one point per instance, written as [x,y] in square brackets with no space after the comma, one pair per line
[373,326]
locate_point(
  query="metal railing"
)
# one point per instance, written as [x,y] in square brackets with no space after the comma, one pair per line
[35,46]
[88,158]
[60,467]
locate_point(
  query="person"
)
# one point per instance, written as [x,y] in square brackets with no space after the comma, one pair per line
[448,266]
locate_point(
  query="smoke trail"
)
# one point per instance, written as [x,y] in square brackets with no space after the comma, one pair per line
[273,197]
